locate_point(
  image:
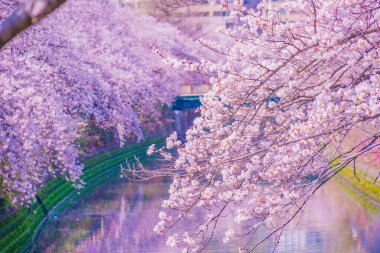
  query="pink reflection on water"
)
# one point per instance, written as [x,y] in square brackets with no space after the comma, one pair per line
[121,217]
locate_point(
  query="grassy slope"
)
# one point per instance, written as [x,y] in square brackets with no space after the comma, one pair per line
[361,188]
[17,231]
[364,183]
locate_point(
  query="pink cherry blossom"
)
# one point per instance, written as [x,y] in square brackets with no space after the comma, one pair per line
[83,61]
[274,127]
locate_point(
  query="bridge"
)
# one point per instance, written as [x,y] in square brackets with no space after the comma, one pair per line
[188,97]
[188,100]
[184,105]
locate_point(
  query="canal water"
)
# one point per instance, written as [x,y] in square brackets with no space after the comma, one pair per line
[120,216]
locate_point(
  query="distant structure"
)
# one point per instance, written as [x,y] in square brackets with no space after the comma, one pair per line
[198,18]
[185,105]
[188,96]
[204,17]
[279,5]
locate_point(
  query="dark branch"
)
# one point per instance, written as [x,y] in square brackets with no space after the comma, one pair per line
[32,12]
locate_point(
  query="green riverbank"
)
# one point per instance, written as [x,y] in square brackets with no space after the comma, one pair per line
[19,230]
[361,188]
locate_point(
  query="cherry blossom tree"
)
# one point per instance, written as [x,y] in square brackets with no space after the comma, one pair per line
[84,61]
[271,129]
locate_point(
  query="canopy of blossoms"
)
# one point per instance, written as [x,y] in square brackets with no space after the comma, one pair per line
[86,60]
[271,130]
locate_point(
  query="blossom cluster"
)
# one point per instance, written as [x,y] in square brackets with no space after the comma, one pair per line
[271,129]
[84,61]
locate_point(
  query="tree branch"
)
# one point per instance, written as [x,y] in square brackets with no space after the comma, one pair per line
[32,12]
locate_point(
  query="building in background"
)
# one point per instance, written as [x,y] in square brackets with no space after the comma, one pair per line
[199,19]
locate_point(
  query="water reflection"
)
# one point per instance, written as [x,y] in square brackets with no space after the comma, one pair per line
[119,217]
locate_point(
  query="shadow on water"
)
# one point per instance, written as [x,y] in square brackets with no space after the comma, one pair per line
[120,216]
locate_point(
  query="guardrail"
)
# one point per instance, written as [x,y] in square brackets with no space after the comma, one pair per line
[18,231]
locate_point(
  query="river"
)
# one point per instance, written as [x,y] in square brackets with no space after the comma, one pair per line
[119,217]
